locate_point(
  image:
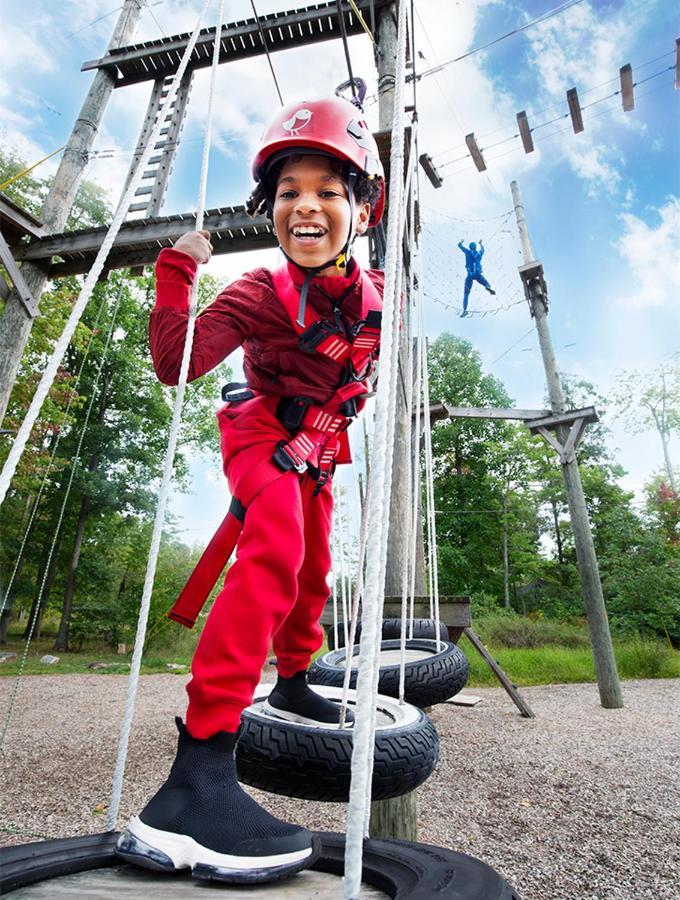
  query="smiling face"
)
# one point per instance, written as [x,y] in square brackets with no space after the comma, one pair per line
[311,212]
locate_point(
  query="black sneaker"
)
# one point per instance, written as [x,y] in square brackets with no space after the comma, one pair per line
[202,819]
[294,700]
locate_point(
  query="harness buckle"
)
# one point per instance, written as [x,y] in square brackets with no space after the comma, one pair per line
[311,337]
[286,460]
[290,411]
[236,392]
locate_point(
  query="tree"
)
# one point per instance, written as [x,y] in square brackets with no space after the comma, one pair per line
[652,400]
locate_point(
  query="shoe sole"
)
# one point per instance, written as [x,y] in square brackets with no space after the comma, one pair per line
[165,851]
[300,720]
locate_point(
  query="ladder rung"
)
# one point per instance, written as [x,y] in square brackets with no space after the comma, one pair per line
[144,191]
[138,207]
[150,173]
[155,159]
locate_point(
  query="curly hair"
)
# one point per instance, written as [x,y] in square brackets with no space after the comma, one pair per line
[261,200]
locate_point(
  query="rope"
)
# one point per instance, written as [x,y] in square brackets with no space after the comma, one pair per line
[55,538]
[363,24]
[93,276]
[343,32]
[379,496]
[50,462]
[429,482]
[266,49]
[23,172]
[164,490]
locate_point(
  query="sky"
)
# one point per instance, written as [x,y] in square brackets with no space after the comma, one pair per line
[603,206]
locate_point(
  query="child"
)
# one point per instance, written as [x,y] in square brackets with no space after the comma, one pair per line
[473,266]
[309,332]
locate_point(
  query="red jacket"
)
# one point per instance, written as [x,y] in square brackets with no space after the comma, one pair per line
[247,313]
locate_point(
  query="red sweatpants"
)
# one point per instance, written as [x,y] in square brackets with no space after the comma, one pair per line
[276,588]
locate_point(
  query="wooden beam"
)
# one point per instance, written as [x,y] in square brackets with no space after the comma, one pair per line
[18,281]
[627,96]
[430,170]
[481,412]
[515,695]
[677,64]
[575,110]
[550,420]
[525,132]
[239,40]
[475,152]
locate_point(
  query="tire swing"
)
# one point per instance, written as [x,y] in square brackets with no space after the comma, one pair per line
[434,671]
[87,865]
[311,762]
[391,630]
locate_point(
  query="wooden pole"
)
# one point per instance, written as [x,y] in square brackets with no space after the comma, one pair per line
[591,587]
[396,818]
[15,325]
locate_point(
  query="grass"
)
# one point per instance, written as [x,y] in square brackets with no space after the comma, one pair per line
[543,663]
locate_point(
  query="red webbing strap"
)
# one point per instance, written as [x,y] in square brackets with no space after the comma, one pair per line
[216,555]
[208,569]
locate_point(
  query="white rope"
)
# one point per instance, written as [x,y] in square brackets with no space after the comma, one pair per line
[344,575]
[92,277]
[334,556]
[174,430]
[406,546]
[415,520]
[62,511]
[429,478]
[378,502]
[354,617]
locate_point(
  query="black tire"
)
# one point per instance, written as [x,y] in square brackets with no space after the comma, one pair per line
[422,628]
[403,870]
[313,763]
[427,681]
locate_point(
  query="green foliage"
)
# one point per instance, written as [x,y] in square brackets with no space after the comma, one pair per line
[511,630]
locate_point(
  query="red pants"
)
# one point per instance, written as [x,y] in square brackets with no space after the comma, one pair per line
[276,588]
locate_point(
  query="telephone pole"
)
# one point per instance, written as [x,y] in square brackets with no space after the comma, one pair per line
[16,322]
[591,586]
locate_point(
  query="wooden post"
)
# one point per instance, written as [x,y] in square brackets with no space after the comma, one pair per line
[15,325]
[591,587]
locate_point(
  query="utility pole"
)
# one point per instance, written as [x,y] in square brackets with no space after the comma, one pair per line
[591,587]
[400,515]
[16,323]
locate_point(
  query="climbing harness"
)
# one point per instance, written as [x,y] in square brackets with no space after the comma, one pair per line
[320,442]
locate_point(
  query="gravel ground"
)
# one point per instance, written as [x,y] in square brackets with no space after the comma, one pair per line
[581,802]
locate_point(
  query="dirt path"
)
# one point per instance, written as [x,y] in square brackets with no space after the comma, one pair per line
[580,802]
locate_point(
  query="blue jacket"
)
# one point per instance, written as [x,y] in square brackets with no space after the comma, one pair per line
[473,259]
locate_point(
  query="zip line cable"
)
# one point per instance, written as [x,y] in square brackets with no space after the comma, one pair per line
[548,15]
[363,24]
[264,44]
[24,172]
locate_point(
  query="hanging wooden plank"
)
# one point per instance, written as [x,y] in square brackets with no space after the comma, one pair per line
[677,64]
[575,110]
[475,152]
[525,132]
[627,96]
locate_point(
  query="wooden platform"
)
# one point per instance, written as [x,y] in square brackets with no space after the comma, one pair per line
[239,40]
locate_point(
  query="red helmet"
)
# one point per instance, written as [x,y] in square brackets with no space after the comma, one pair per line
[333,126]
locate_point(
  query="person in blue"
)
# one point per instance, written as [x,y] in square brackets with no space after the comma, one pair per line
[473,265]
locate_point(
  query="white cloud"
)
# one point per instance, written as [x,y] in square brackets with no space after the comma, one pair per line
[653,257]
[584,48]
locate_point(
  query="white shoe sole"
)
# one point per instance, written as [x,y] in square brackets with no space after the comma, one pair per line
[301,720]
[167,850]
